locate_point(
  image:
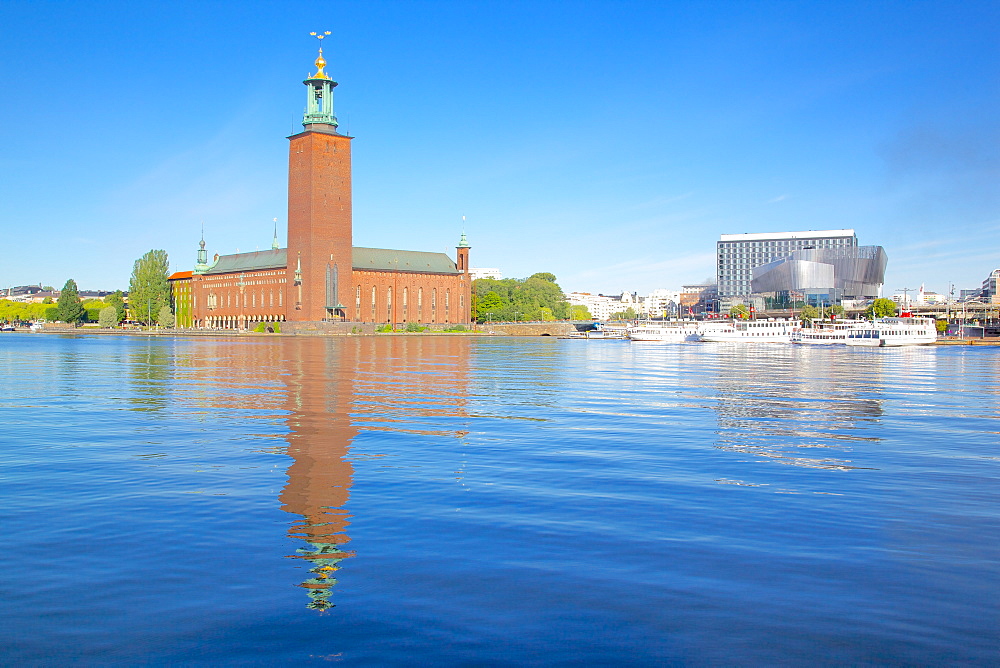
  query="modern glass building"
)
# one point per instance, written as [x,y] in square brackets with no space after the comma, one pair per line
[740,254]
[823,275]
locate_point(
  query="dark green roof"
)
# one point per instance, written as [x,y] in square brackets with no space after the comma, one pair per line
[371,259]
[384,259]
[255,261]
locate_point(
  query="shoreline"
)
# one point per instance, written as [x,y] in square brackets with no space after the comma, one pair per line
[989,341]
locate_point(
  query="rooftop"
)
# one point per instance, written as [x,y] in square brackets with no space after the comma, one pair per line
[808,234]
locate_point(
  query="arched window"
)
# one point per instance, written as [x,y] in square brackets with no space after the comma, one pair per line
[388,304]
[373,303]
[447,305]
[357,301]
[434,304]
[406,295]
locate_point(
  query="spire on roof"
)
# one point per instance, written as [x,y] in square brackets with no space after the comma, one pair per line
[274,244]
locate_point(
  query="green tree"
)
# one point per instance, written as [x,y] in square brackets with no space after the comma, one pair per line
[808,313]
[627,314]
[490,306]
[93,308]
[739,311]
[941,325]
[537,297]
[580,312]
[108,317]
[47,300]
[835,310]
[881,308]
[117,299]
[148,291]
[165,318]
[69,308]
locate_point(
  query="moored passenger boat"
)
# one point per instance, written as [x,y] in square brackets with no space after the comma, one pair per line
[827,332]
[752,331]
[894,332]
[664,332]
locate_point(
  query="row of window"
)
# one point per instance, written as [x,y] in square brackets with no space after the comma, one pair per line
[232,299]
[373,311]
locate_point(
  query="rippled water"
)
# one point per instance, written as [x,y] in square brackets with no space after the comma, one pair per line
[450,500]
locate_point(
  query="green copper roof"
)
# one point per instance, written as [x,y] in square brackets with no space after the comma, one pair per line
[255,261]
[384,259]
[372,259]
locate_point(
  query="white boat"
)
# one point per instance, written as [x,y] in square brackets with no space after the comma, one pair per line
[601,331]
[826,333]
[752,331]
[894,332]
[665,332]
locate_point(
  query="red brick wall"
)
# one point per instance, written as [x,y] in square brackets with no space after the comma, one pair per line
[219,299]
[319,221]
[429,298]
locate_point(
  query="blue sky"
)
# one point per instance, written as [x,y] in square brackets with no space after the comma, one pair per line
[610,143]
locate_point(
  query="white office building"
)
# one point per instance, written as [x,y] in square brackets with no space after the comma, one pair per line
[485,272]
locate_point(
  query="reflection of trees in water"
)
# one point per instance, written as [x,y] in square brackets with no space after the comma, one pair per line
[150,369]
[774,399]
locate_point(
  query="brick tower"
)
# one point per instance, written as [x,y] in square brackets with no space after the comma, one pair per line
[319,209]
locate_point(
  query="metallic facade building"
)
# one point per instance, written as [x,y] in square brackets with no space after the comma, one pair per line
[739,254]
[831,273]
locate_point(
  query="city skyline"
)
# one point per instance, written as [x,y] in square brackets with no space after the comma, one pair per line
[608,143]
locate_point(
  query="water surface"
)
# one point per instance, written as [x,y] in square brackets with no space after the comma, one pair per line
[452,500]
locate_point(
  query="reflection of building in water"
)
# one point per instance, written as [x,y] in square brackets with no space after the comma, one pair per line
[774,400]
[330,389]
[338,387]
[319,379]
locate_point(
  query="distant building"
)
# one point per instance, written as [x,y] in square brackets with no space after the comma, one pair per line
[181,298]
[663,303]
[698,298]
[819,265]
[485,272]
[989,292]
[22,293]
[602,307]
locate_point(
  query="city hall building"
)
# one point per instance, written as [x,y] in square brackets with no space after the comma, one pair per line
[321,276]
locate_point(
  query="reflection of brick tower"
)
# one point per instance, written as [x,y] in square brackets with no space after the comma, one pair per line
[319,209]
[319,382]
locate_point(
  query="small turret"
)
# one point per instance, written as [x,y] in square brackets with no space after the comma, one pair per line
[201,266]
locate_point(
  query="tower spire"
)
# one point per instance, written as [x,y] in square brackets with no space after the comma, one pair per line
[319,98]
[201,266]
[274,244]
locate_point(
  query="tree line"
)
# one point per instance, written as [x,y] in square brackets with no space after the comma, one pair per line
[148,300]
[537,297]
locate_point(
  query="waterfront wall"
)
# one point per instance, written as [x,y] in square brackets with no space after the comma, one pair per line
[528,329]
